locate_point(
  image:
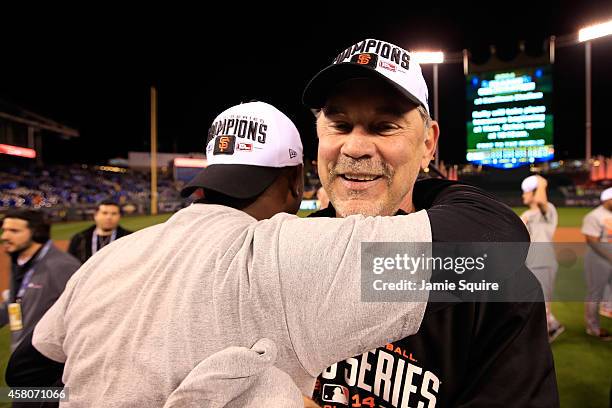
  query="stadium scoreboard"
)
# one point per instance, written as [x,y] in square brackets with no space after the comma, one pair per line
[509,118]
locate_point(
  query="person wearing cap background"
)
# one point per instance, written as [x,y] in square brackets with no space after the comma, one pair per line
[375,134]
[228,271]
[597,230]
[541,221]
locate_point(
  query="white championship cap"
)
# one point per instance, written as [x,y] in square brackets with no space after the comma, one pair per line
[529,184]
[606,195]
[370,58]
[247,146]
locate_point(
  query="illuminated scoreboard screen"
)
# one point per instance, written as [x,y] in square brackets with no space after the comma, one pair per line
[510,122]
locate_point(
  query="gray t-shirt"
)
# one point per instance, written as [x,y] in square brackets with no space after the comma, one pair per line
[598,223]
[148,308]
[541,227]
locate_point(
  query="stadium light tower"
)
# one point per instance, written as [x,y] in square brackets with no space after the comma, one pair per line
[586,35]
[434,58]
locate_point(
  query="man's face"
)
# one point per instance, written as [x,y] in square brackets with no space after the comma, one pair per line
[372,144]
[16,235]
[107,217]
[607,205]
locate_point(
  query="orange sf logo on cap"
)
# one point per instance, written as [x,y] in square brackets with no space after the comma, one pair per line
[363,59]
[223,143]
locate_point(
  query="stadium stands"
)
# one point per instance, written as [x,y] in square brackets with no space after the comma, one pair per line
[71,192]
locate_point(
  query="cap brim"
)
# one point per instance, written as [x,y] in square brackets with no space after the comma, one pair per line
[234,180]
[318,89]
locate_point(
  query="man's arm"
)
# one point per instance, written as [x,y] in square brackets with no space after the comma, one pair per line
[603,249]
[540,196]
[48,336]
[319,266]
[591,229]
[460,212]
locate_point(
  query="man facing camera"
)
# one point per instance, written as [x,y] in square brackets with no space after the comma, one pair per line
[375,134]
[106,229]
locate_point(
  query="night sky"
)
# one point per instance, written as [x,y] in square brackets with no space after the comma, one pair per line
[91,69]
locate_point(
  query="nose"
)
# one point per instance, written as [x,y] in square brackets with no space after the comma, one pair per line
[358,144]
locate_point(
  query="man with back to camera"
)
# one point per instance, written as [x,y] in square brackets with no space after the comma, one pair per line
[597,230]
[541,221]
[375,134]
[39,271]
[226,271]
[106,229]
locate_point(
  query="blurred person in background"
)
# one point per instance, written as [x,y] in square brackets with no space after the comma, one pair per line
[39,271]
[597,230]
[106,229]
[541,221]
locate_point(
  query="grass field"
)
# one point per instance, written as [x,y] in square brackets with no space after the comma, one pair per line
[583,364]
[68,229]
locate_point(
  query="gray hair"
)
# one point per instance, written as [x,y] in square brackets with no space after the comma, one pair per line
[425,116]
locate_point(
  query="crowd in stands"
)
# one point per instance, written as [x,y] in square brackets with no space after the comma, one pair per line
[71,191]
[583,195]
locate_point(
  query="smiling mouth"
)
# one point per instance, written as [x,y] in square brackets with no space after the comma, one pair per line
[360,177]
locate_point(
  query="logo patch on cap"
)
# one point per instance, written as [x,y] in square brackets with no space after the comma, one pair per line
[388,66]
[245,147]
[292,153]
[365,58]
[225,145]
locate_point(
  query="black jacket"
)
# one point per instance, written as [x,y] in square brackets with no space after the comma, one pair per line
[80,244]
[465,354]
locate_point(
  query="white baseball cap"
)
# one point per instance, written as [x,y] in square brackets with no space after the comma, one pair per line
[606,195]
[370,58]
[529,184]
[247,147]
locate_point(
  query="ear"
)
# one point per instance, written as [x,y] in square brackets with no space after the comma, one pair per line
[430,142]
